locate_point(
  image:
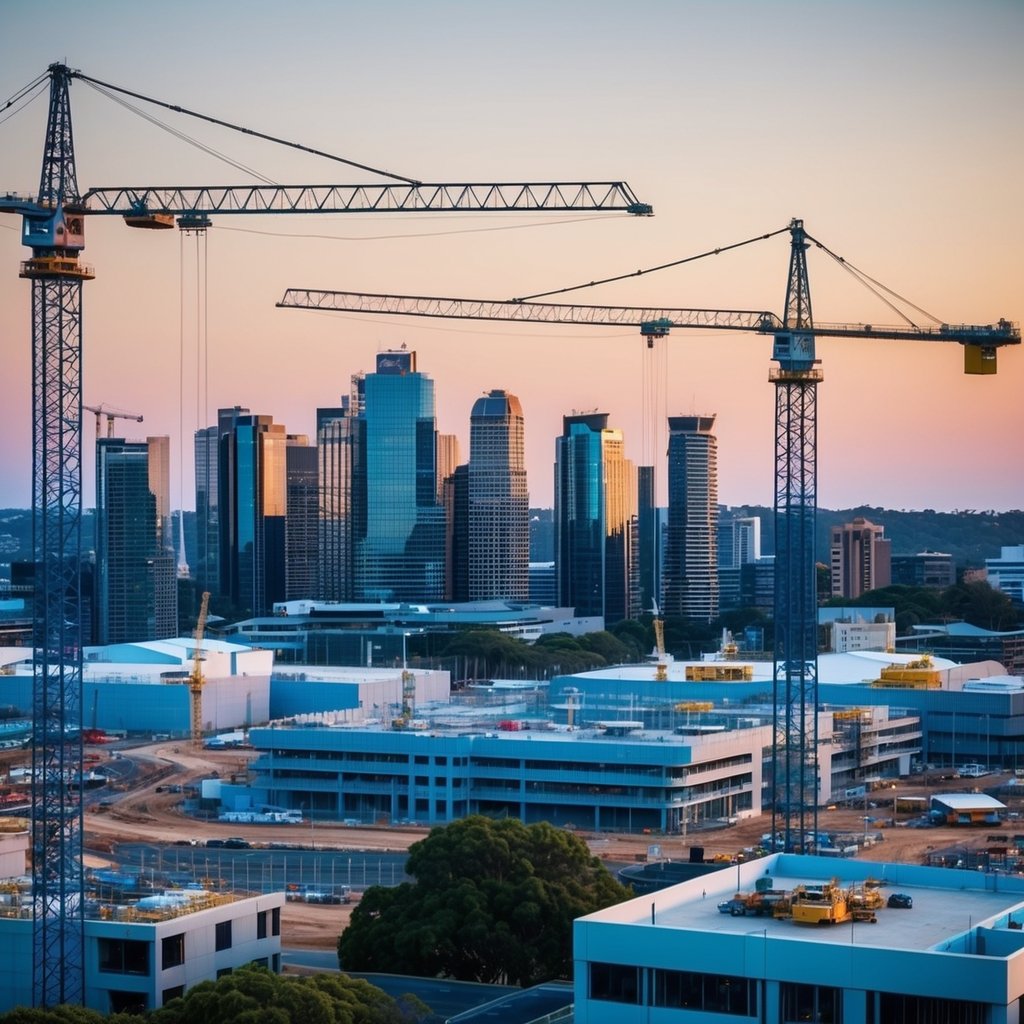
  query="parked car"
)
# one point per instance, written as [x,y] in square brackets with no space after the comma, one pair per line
[234,843]
[900,901]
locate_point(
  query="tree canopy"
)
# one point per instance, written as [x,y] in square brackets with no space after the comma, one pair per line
[492,901]
[254,995]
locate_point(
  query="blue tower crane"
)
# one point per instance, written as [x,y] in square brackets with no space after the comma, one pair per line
[796,375]
[53,227]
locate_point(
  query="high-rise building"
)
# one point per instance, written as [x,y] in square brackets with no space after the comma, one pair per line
[159,450]
[400,555]
[498,502]
[648,540]
[860,558]
[691,555]
[339,454]
[1006,573]
[301,519]
[595,520]
[206,571]
[136,587]
[252,507]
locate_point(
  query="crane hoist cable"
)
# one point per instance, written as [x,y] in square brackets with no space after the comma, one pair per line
[864,278]
[651,270]
[183,136]
[245,131]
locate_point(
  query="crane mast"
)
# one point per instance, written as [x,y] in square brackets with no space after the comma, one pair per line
[55,232]
[196,678]
[794,782]
[53,227]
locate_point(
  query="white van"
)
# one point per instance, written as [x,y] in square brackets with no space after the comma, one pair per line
[971,771]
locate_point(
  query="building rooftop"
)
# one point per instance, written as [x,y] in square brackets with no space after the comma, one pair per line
[948,904]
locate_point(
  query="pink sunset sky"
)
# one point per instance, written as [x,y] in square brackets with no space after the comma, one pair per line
[892,129]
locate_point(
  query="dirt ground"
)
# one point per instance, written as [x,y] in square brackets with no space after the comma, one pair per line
[144,814]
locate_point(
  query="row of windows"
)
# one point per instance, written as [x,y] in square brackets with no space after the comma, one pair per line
[736,996]
[712,993]
[131,956]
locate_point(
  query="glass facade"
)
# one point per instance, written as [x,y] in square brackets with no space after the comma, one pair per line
[253,508]
[136,593]
[595,520]
[339,456]
[401,554]
[691,545]
[301,525]
[498,501]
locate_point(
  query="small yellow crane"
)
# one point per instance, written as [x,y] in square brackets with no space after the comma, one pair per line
[196,680]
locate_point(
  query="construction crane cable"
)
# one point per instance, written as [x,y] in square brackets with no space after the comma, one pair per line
[864,278]
[183,137]
[420,234]
[246,131]
[41,89]
[43,79]
[651,270]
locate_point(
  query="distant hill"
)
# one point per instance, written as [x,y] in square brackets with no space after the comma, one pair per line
[970,536]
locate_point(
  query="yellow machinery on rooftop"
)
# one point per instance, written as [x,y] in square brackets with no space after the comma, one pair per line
[919,674]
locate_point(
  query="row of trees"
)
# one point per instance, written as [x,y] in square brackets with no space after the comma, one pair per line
[253,995]
[489,653]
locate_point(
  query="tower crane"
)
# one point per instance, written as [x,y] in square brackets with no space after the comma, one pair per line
[796,375]
[54,230]
[111,415]
[196,679]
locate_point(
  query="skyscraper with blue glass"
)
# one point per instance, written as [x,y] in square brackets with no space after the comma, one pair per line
[136,591]
[400,552]
[252,506]
[595,520]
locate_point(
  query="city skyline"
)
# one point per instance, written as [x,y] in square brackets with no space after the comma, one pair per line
[906,165]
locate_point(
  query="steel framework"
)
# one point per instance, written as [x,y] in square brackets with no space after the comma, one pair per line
[57,275]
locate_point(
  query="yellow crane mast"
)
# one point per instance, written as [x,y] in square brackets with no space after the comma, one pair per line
[196,680]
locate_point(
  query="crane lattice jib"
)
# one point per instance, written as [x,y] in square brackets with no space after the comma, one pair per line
[660,319]
[420,197]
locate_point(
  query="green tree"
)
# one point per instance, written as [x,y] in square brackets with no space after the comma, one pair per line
[492,901]
[253,995]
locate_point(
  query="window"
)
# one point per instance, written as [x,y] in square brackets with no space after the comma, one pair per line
[713,993]
[261,925]
[171,993]
[261,961]
[128,1002]
[172,950]
[618,983]
[223,935]
[124,956]
[811,1002]
[275,921]
[902,1009]
[224,972]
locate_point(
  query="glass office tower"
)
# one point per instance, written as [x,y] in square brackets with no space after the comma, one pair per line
[498,502]
[691,545]
[401,554]
[595,520]
[252,500]
[136,589]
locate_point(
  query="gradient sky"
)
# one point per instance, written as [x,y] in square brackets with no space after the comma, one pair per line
[894,129]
